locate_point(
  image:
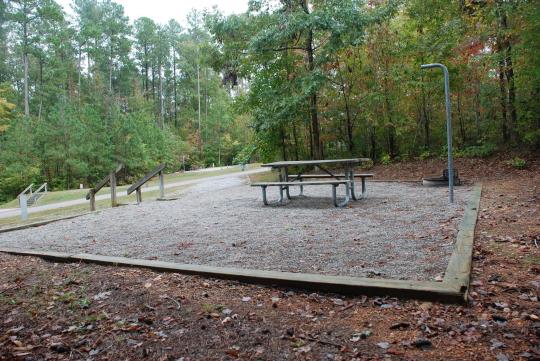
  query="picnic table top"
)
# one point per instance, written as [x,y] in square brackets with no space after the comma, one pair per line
[314,162]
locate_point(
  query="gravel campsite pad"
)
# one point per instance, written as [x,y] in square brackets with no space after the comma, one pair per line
[400,231]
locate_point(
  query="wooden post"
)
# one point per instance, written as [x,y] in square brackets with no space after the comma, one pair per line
[139,195]
[161,185]
[92,200]
[112,178]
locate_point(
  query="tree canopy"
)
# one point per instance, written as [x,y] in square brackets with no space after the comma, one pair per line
[286,79]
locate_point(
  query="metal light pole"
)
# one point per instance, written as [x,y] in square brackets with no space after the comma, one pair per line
[448,127]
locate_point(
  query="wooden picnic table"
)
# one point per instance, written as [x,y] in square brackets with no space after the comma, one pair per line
[286,181]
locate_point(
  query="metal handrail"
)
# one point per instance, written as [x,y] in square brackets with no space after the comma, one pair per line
[26,189]
[44,185]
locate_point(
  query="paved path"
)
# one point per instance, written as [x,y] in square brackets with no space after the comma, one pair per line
[13,212]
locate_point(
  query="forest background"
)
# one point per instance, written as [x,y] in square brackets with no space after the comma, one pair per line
[288,79]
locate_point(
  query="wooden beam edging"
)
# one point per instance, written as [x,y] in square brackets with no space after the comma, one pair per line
[453,289]
[436,291]
[458,272]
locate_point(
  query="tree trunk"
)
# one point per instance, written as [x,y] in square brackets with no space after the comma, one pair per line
[317,149]
[146,71]
[161,110]
[509,72]
[425,119]
[350,139]
[373,142]
[317,153]
[40,89]
[460,117]
[391,129]
[110,68]
[154,85]
[199,98]
[502,99]
[205,103]
[174,85]
[295,137]
[477,113]
[79,75]
[25,60]
[283,143]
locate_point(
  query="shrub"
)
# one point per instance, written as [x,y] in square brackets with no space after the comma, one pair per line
[425,155]
[477,151]
[244,156]
[518,163]
[367,165]
[385,160]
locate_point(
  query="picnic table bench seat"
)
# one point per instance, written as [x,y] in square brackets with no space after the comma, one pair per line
[283,185]
[362,176]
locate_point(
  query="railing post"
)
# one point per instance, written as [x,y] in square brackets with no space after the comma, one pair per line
[92,200]
[138,195]
[112,178]
[161,185]
[23,205]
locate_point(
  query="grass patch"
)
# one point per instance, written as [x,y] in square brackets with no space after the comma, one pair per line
[263,177]
[84,208]
[73,194]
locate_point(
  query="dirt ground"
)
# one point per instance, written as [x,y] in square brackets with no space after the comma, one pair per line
[54,311]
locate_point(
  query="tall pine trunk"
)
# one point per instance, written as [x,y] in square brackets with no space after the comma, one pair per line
[315,128]
[25,60]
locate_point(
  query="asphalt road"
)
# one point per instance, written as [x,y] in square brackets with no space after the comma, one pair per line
[13,212]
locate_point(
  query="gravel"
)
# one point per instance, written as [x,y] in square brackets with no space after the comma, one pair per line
[400,231]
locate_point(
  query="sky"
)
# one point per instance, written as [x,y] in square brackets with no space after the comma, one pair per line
[162,11]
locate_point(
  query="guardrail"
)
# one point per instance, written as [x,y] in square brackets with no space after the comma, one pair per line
[137,186]
[110,178]
[43,186]
[23,201]
[29,197]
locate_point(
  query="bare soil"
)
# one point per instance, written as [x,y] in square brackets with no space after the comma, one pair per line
[54,311]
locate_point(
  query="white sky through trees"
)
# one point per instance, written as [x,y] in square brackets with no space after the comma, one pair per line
[161,11]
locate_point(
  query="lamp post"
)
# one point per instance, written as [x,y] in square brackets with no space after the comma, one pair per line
[448,127]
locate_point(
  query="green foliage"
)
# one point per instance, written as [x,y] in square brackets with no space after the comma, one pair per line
[426,154]
[477,151]
[386,159]
[245,155]
[104,91]
[285,80]
[518,163]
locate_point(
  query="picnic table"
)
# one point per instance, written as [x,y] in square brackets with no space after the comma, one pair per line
[334,179]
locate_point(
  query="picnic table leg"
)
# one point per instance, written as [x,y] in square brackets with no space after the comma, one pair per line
[286,175]
[349,175]
[364,191]
[265,201]
[334,196]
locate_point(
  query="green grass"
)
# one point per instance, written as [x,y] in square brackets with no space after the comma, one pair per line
[84,208]
[68,195]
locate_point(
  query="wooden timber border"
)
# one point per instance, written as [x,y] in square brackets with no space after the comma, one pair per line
[453,289]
